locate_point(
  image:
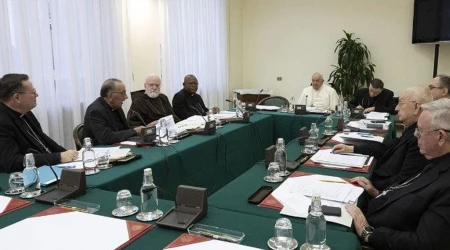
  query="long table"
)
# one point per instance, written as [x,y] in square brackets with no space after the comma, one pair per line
[257,229]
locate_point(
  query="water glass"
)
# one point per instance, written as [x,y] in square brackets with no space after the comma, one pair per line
[103,161]
[15,182]
[283,108]
[310,145]
[124,201]
[273,173]
[284,234]
[173,137]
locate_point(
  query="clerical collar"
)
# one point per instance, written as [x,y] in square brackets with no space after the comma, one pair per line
[189,93]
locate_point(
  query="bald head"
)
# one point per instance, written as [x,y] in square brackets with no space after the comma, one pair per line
[317,81]
[408,107]
[152,86]
[190,84]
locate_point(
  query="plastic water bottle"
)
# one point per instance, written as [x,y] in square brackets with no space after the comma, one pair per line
[89,160]
[30,178]
[314,135]
[149,199]
[316,227]
[280,157]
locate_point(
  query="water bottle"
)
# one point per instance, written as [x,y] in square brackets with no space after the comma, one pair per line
[89,160]
[292,104]
[234,100]
[346,115]
[149,199]
[328,126]
[30,178]
[280,157]
[163,134]
[314,135]
[316,227]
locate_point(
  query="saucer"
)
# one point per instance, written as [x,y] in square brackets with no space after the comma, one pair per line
[272,245]
[275,180]
[108,167]
[121,213]
[15,191]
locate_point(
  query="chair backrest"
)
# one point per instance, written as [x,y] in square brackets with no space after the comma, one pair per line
[78,136]
[274,101]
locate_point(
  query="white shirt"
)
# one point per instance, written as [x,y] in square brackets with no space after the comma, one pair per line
[326,97]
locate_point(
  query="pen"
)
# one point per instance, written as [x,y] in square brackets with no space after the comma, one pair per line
[331,181]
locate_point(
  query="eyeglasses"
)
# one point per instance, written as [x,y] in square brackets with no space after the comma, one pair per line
[27,93]
[123,93]
[431,87]
[153,85]
[420,131]
[401,103]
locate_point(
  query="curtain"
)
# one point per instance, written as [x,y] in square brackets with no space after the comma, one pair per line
[68,48]
[25,47]
[194,41]
[90,44]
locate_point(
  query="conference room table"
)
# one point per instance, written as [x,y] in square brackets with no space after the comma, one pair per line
[257,229]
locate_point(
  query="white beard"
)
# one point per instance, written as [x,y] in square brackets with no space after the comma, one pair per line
[152,94]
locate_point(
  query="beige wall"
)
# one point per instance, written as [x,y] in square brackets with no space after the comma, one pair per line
[145,40]
[235,45]
[294,38]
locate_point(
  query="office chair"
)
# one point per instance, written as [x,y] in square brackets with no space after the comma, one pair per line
[274,101]
[78,136]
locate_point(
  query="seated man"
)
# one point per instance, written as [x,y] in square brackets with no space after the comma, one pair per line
[401,158]
[375,98]
[20,131]
[440,87]
[150,106]
[413,213]
[187,102]
[104,121]
[319,95]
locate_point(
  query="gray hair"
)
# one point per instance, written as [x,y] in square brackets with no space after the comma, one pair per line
[420,94]
[444,81]
[107,86]
[152,76]
[440,113]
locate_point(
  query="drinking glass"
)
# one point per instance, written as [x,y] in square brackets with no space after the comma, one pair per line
[15,184]
[103,161]
[283,108]
[309,146]
[284,235]
[173,137]
[273,173]
[124,204]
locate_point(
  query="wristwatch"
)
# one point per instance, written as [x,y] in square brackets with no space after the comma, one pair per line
[365,232]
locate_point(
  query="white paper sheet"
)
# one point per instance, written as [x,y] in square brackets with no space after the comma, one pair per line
[292,194]
[362,124]
[359,136]
[267,107]
[225,115]
[327,156]
[212,244]
[377,115]
[72,230]
[4,201]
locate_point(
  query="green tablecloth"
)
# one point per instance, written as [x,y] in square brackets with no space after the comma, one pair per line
[286,125]
[209,161]
[257,229]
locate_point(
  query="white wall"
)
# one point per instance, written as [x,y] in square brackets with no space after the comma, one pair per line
[295,38]
[145,40]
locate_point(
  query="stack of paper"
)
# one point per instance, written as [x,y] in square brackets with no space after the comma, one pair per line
[362,124]
[358,136]
[326,156]
[316,110]
[295,195]
[225,115]
[377,116]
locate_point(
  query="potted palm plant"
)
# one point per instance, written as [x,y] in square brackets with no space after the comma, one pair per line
[354,68]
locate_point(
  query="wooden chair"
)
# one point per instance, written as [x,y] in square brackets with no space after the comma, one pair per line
[78,136]
[274,101]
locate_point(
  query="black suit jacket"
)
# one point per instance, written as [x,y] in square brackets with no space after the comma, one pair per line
[416,216]
[101,127]
[15,142]
[384,102]
[186,104]
[400,160]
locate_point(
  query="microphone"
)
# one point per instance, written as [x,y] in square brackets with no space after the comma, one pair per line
[237,107]
[306,102]
[257,98]
[138,115]
[199,114]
